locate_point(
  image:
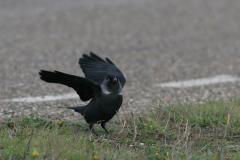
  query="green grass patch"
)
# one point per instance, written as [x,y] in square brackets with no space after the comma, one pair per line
[206,130]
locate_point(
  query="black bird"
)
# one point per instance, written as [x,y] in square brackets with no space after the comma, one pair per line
[102,84]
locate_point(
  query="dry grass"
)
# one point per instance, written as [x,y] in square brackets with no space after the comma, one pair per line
[209,130]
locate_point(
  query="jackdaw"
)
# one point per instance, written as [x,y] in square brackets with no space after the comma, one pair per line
[102,85]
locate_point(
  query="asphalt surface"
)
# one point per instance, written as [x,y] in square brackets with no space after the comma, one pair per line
[152,42]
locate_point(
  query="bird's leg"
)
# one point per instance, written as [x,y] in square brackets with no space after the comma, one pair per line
[103,126]
[91,129]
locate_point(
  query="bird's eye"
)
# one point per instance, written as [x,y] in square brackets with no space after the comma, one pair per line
[108,79]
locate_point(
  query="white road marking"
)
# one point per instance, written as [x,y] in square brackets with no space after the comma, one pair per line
[199,82]
[180,84]
[43,98]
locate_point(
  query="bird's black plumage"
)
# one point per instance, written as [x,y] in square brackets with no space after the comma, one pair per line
[103,85]
[97,69]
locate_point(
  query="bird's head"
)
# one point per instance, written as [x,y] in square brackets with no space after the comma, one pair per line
[112,79]
[111,84]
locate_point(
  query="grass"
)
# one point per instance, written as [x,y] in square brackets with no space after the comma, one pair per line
[206,130]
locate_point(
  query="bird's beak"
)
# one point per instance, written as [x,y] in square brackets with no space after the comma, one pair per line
[114,80]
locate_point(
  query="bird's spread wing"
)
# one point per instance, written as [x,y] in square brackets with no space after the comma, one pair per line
[85,88]
[97,69]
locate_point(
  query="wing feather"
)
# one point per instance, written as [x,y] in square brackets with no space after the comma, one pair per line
[97,69]
[85,88]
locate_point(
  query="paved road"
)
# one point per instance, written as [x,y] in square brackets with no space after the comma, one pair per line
[152,42]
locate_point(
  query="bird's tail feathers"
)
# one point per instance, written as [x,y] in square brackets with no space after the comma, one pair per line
[79,109]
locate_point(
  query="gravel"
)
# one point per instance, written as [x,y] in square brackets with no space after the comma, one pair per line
[152,42]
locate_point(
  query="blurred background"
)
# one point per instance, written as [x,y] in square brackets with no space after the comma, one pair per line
[152,42]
